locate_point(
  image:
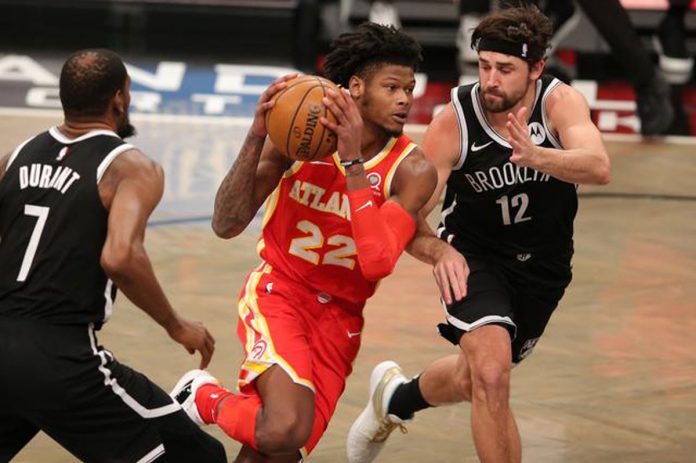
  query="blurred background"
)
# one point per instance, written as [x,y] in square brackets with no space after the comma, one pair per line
[199,56]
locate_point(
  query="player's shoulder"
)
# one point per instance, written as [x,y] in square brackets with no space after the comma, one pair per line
[565,96]
[415,168]
[563,104]
[134,163]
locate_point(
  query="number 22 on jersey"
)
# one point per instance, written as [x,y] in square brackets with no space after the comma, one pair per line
[307,247]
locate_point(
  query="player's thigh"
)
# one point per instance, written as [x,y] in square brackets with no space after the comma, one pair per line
[123,416]
[15,433]
[489,300]
[284,398]
[533,310]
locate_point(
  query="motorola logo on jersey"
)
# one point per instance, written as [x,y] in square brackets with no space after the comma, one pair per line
[537,132]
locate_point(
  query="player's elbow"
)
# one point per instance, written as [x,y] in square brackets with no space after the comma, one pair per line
[226,229]
[376,268]
[603,175]
[118,260]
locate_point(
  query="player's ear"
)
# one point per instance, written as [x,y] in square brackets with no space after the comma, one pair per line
[356,86]
[119,101]
[537,69]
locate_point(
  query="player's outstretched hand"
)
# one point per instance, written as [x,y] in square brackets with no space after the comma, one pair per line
[194,337]
[451,274]
[523,149]
[266,102]
[348,126]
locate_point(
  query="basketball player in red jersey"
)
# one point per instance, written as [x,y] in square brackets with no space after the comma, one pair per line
[332,229]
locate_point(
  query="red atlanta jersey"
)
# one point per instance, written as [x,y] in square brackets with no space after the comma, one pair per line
[306,227]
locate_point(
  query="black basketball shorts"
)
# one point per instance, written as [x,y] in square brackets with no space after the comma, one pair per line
[518,295]
[59,380]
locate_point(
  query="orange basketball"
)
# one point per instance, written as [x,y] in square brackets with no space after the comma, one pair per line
[293,122]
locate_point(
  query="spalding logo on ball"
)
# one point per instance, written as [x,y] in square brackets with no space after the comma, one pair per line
[293,121]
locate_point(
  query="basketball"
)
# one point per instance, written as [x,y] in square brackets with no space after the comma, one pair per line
[293,122]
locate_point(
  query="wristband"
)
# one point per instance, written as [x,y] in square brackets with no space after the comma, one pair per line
[352,162]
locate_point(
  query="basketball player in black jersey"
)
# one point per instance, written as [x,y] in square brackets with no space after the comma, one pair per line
[510,149]
[74,202]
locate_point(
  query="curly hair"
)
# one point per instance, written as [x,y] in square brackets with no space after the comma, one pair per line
[522,24]
[88,81]
[361,52]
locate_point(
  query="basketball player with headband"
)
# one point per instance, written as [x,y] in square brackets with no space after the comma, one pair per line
[511,149]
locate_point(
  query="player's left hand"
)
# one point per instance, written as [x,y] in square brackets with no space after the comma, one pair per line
[194,337]
[349,127]
[523,149]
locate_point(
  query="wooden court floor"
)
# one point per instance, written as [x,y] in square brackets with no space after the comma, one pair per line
[612,380]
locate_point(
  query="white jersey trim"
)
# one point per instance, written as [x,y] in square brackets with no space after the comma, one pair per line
[58,135]
[443,216]
[544,118]
[463,130]
[110,158]
[153,454]
[487,320]
[15,153]
[122,393]
[392,170]
[109,302]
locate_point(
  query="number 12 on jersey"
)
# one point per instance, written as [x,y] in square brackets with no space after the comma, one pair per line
[519,202]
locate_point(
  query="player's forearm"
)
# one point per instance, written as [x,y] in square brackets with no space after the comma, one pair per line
[425,245]
[380,233]
[131,271]
[234,205]
[583,166]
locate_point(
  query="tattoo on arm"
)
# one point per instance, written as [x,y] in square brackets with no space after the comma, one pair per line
[234,201]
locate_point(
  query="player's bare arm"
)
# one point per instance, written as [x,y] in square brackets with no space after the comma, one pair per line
[584,158]
[414,182]
[441,146]
[130,189]
[254,174]
[3,164]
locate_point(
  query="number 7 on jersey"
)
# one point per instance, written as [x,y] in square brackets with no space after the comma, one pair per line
[41,214]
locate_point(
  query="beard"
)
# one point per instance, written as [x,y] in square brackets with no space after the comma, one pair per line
[125,128]
[502,105]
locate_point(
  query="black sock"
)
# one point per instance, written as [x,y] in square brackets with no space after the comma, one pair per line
[407,400]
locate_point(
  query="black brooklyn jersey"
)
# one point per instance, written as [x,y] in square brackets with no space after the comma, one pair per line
[53,227]
[494,205]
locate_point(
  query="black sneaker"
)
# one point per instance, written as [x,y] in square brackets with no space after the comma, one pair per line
[654,106]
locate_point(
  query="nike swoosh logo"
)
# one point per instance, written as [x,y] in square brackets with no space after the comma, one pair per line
[367,204]
[352,335]
[475,147]
[321,163]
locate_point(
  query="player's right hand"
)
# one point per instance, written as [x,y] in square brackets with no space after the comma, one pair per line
[451,274]
[266,102]
[194,337]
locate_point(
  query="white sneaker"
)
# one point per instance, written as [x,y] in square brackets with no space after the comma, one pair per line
[369,432]
[185,392]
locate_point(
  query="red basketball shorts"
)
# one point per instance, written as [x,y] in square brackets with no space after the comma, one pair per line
[311,336]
